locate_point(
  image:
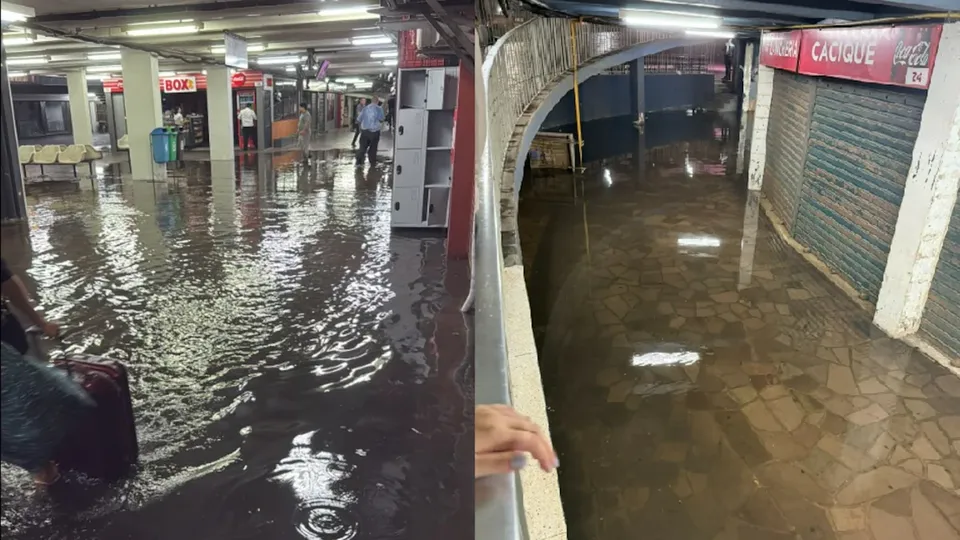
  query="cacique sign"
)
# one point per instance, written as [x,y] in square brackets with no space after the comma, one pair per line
[894,55]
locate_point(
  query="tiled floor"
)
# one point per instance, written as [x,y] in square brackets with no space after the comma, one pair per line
[704,382]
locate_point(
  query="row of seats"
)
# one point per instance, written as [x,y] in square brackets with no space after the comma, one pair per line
[59,154]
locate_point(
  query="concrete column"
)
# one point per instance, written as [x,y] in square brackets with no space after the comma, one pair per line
[13,205]
[637,97]
[928,198]
[141,94]
[79,107]
[220,113]
[761,120]
[745,107]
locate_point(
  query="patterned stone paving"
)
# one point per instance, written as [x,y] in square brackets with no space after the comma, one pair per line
[697,392]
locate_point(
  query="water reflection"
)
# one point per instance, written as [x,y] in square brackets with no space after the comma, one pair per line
[292,358]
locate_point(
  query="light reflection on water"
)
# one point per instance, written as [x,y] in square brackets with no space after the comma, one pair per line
[268,308]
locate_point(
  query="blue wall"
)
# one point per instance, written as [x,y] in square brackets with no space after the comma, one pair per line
[608,96]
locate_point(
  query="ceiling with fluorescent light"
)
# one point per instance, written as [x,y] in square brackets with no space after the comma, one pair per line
[188,34]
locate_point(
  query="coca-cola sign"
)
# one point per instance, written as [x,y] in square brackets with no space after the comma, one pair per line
[780,49]
[897,55]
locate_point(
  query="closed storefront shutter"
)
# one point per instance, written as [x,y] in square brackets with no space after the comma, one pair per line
[941,316]
[787,142]
[859,152]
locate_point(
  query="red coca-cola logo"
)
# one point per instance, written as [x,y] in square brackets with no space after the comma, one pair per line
[912,55]
[238,79]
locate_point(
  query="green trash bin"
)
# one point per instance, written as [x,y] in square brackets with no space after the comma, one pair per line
[172,143]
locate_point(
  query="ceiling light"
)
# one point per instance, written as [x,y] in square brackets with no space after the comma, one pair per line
[279,60]
[350,13]
[653,18]
[97,69]
[390,62]
[712,33]
[104,56]
[167,74]
[348,80]
[173,21]
[383,54]
[363,85]
[251,47]
[164,30]
[26,61]
[371,40]
[12,16]
[98,77]
[290,69]
[204,72]
[12,74]
[17,41]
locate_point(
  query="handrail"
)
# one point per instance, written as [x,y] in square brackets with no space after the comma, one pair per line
[528,59]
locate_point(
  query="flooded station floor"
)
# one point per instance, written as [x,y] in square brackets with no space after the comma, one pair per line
[299,370]
[704,382]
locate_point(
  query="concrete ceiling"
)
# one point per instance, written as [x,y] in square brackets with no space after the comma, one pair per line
[284,27]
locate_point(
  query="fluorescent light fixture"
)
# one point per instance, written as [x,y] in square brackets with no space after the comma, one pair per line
[390,62]
[371,40]
[17,41]
[104,56]
[383,54]
[173,21]
[674,20]
[279,60]
[350,80]
[167,74]
[12,16]
[712,33]
[290,69]
[363,86]
[204,72]
[164,31]
[98,77]
[251,47]
[698,241]
[27,61]
[97,69]
[355,13]
[12,74]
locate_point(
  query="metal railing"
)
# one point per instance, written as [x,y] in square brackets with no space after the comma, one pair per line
[516,69]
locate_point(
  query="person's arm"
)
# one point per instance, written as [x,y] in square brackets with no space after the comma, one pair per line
[380,115]
[16,292]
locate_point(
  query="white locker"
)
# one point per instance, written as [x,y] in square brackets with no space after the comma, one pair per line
[410,129]
[406,206]
[436,82]
[408,169]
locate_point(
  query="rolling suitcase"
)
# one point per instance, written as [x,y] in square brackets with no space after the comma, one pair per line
[104,445]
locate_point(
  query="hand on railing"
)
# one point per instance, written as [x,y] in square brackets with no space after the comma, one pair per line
[503,437]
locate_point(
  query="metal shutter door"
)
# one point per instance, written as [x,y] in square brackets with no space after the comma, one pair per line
[941,316]
[859,152]
[787,142]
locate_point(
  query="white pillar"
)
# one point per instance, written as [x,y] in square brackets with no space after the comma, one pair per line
[745,106]
[220,119]
[761,119]
[141,94]
[79,107]
[928,197]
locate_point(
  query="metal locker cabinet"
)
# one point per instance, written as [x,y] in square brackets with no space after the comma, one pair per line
[436,81]
[406,206]
[408,169]
[410,128]
[437,203]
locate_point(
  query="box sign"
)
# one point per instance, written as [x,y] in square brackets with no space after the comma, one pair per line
[178,85]
[241,79]
[898,55]
[894,55]
[780,49]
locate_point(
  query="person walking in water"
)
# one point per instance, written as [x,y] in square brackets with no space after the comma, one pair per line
[304,131]
[356,120]
[370,119]
[248,127]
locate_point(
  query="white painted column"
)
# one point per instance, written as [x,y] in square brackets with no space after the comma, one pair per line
[79,107]
[220,119]
[745,107]
[928,197]
[761,120]
[141,94]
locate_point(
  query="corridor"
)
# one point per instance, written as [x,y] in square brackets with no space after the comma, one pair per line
[703,381]
[298,368]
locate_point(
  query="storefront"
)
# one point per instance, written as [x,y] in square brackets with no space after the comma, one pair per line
[188,92]
[844,115]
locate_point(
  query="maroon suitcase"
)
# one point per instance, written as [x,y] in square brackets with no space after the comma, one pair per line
[105,444]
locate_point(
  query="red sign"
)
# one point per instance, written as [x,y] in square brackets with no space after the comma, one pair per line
[113,85]
[178,85]
[238,79]
[780,49]
[897,55]
[243,79]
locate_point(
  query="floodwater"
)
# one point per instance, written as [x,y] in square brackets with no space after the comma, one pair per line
[299,370]
[703,381]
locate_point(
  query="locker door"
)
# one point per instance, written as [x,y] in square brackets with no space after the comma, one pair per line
[406,206]
[408,169]
[410,125]
[436,80]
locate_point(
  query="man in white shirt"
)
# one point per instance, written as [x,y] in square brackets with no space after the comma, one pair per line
[248,125]
[178,117]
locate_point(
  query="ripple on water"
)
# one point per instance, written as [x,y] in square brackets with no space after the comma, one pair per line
[325,519]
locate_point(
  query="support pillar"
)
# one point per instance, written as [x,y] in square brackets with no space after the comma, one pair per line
[79,107]
[220,113]
[637,96]
[761,120]
[464,179]
[13,205]
[745,106]
[928,198]
[141,93]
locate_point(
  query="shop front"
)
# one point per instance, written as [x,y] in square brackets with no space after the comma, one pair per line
[187,92]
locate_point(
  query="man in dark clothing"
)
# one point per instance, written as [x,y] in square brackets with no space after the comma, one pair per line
[356,121]
[11,331]
[371,118]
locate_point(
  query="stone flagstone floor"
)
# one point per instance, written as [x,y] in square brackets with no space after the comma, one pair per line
[704,382]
